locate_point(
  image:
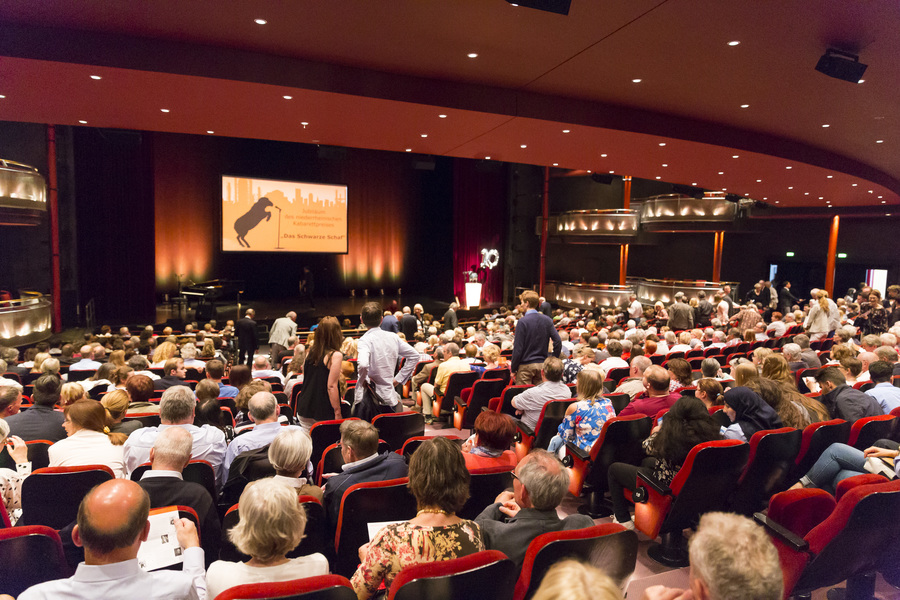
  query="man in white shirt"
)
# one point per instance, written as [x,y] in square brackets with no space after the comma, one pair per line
[615,360]
[176,409]
[529,403]
[262,369]
[86,363]
[635,309]
[378,352]
[112,524]
[263,411]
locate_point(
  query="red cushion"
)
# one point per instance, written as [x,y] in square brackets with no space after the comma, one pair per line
[801,510]
[851,482]
[443,568]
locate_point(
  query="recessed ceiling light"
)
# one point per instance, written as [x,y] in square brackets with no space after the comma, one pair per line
[442,116]
[695,183]
[472,55]
[790,187]
[745,106]
[304,123]
[734,156]
[424,135]
[733,43]
[260,21]
[721,172]
[789,167]
[884,201]
[830,177]
[288,97]
[759,181]
[315,141]
[871,192]
[776,202]
[821,198]
[806,193]
[659,177]
[210,131]
[724,189]
[96,77]
[588,171]
[879,141]
[852,185]
[487,158]
[611,172]
[523,146]
[566,130]
[826,125]
[164,110]
[635,81]
[881,196]
[83,122]
[662,143]
[602,156]
[665,165]
[555,164]
[2,96]
[860,81]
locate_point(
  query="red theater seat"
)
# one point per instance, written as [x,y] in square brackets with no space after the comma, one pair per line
[703,484]
[503,403]
[323,587]
[485,575]
[484,487]
[772,456]
[30,555]
[868,430]
[396,428]
[324,434]
[816,438]
[51,496]
[552,414]
[465,412]
[456,383]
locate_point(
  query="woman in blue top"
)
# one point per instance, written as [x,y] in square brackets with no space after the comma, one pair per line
[584,419]
[748,413]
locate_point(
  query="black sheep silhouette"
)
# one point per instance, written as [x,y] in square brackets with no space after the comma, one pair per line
[251,219]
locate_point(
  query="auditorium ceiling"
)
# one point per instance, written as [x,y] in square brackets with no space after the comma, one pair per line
[655,89]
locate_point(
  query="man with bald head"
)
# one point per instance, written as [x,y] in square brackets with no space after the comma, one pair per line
[86,363]
[263,411]
[656,396]
[112,524]
[170,454]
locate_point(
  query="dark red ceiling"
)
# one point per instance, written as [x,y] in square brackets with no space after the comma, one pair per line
[378,75]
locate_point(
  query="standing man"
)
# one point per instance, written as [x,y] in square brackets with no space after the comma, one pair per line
[635,308]
[307,287]
[282,330]
[379,352]
[544,307]
[409,325]
[246,334]
[534,332]
[786,299]
[726,296]
[704,311]
[450,320]
[681,316]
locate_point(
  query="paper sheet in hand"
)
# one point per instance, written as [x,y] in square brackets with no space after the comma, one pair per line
[161,548]
[378,526]
[879,467]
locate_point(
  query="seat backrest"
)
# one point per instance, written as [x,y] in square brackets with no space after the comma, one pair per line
[80,374]
[485,575]
[611,544]
[619,401]
[552,415]
[396,428]
[413,443]
[502,374]
[321,587]
[51,496]
[510,392]
[816,438]
[482,392]
[457,382]
[38,453]
[364,502]
[705,481]
[772,456]
[30,555]
[202,472]
[484,486]
[853,539]
[868,430]
[324,434]
[618,374]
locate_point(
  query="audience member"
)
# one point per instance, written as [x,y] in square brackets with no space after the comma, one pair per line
[10,401]
[116,405]
[572,580]
[11,481]
[40,422]
[656,395]
[173,374]
[451,364]
[843,401]
[488,446]
[529,403]
[215,370]
[584,419]
[379,352]
[263,411]
[748,414]
[534,333]
[89,440]
[884,392]
[289,455]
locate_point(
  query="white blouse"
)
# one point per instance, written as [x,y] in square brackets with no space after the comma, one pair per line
[11,489]
[86,447]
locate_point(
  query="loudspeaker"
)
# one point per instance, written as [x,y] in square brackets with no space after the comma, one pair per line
[841,65]
[560,7]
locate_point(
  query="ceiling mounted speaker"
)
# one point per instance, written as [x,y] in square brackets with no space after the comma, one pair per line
[603,178]
[841,65]
[560,7]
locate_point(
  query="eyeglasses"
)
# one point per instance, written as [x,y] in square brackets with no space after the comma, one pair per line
[514,476]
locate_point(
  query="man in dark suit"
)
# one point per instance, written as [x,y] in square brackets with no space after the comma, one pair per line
[539,484]
[409,325]
[245,329]
[362,463]
[786,300]
[544,307]
[450,319]
[169,456]
[40,422]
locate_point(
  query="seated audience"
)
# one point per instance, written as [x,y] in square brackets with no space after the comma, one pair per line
[843,401]
[242,401]
[89,440]
[615,360]
[451,364]
[519,516]
[176,409]
[585,418]
[40,422]
[489,444]
[439,480]
[86,363]
[840,461]
[163,353]
[582,356]
[775,368]
[634,383]
[263,411]
[140,391]
[359,449]
[722,569]
[112,524]
[884,392]
[529,403]
[807,354]
[173,374]
[11,481]
[685,425]
[262,370]
[656,395]
[679,371]
[116,405]
[572,580]
[215,371]
[163,482]
[189,355]
[710,392]
[289,455]
[10,401]
[748,414]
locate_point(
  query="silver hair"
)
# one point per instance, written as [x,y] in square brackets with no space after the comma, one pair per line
[173,447]
[289,452]
[177,404]
[545,479]
[792,350]
[262,406]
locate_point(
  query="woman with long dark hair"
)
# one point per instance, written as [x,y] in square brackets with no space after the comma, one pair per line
[685,425]
[320,396]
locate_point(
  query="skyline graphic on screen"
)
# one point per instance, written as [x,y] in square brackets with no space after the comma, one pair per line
[265,215]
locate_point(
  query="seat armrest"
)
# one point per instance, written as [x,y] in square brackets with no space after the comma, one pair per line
[656,486]
[581,454]
[459,402]
[783,534]
[525,429]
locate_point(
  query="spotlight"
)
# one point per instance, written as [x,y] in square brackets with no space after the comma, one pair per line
[841,65]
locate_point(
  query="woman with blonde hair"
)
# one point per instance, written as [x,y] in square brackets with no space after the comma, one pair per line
[117,357]
[776,368]
[348,348]
[71,393]
[818,321]
[163,352]
[116,404]
[90,440]
[584,419]
[50,366]
[271,525]
[39,359]
[573,580]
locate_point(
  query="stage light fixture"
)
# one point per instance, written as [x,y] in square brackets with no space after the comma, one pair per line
[841,65]
[560,7]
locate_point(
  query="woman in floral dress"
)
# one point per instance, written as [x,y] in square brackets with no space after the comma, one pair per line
[584,419]
[439,480]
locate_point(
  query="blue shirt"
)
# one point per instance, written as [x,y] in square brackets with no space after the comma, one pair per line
[887,396]
[532,336]
[227,391]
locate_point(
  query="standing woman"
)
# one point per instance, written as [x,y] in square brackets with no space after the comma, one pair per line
[817,323]
[873,320]
[320,397]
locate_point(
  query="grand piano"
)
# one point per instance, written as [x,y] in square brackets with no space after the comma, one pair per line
[207,293]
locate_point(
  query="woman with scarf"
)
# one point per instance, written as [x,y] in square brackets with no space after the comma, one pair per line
[748,414]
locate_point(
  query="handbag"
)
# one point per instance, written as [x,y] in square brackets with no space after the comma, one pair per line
[370,405]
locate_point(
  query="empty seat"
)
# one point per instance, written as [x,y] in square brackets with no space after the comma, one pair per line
[456,383]
[503,403]
[396,428]
[868,430]
[51,496]
[485,575]
[772,456]
[482,392]
[30,555]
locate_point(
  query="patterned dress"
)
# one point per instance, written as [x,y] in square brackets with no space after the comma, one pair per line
[584,425]
[11,489]
[402,544]
[571,369]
